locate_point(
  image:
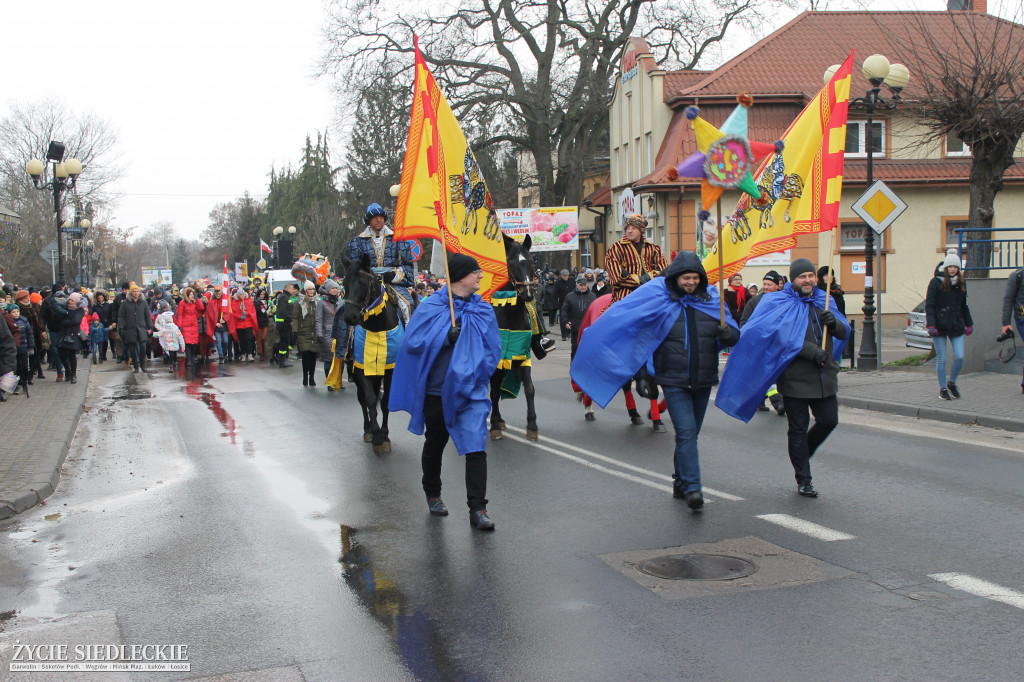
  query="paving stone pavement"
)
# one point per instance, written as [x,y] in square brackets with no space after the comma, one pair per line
[988,399]
[37,433]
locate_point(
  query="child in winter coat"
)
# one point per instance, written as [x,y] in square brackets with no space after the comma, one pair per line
[168,333]
[26,346]
[97,337]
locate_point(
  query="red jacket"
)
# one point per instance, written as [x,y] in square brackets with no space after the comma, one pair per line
[213,312]
[187,319]
[235,321]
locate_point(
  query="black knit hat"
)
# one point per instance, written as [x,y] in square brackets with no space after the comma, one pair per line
[461,265]
[799,267]
[773,276]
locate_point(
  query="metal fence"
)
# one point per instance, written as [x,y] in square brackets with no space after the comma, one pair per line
[997,248]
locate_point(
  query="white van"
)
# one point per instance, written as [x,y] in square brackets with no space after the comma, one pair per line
[277,279]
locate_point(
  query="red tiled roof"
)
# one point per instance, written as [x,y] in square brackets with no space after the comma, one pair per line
[784,71]
[602,196]
[791,61]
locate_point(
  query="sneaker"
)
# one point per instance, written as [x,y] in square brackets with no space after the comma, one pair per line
[436,506]
[60,378]
[953,390]
[480,520]
[694,500]
[806,489]
[944,394]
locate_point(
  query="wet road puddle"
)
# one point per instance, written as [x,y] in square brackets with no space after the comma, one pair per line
[200,389]
[417,640]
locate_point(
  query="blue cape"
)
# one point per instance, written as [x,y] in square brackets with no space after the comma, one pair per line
[625,337]
[465,393]
[771,339]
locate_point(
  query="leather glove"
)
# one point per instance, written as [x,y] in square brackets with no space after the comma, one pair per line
[828,319]
[624,274]
[932,331]
[969,331]
[725,335]
[821,357]
[644,278]
[388,277]
[453,334]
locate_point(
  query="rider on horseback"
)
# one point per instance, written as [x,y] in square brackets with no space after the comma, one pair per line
[392,259]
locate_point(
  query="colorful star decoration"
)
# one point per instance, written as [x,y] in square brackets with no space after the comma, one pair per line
[726,156]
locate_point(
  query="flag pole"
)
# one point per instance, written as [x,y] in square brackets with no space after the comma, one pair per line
[828,285]
[721,259]
[447,274]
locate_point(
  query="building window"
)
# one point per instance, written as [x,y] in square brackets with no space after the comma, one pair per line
[852,236]
[950,226]
[650,155]
[585,255]
[956,147]
[527,200]
[618,172]
[625,154]
[856,145]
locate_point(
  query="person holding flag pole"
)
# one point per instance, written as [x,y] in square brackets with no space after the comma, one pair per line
[794,338]
[452,340]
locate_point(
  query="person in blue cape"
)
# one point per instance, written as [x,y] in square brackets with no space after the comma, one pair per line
[672,325]
[442,379]
[782,344]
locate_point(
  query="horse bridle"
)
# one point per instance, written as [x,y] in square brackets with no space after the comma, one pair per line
[371,296]
[519,286]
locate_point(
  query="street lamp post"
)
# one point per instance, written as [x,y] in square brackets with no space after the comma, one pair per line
[895,77]
[89,245]
[65,177]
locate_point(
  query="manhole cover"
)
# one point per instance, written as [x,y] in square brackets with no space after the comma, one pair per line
[698,567]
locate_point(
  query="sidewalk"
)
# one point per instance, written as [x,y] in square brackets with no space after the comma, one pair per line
[37,434]
[989,399]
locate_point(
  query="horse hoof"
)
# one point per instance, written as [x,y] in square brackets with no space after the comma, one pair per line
[531,435]
[381,449]
[387,446]
[496,434]
[501,425]
[367,437]
[659,427]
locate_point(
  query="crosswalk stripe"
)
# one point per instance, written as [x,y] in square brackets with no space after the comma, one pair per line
[806,527]
[981,588]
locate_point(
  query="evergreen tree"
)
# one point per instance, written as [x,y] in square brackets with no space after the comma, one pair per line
[180,261]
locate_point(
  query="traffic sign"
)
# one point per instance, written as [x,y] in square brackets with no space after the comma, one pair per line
[416,248]
[879,206]
[49,253]
[261,264]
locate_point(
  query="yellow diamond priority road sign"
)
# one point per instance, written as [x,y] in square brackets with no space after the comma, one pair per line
[879,206]
[261,264]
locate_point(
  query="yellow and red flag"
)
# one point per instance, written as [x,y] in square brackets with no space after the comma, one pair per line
[800,186]
[443,195]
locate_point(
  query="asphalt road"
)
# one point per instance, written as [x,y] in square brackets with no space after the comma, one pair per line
[243,515]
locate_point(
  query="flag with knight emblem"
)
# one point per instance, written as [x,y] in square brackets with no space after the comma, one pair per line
[800,186]
[443,195]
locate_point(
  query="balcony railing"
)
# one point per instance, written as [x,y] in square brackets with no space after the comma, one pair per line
[997,248]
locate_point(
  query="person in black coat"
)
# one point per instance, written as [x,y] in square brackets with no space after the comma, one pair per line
[103,309]
[573,309]
[8,353]
[69,339]
[116,340]
[810,382]
[564,286]
[948,316]
[135,323]
[686,367]
[832,288]
[550,299]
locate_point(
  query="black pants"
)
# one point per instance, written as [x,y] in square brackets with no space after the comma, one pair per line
[284,339]
[246,341]
[552,314]
[132,352]
[803,442]
[308,367]
[436,435]
[69,357]
[22,369]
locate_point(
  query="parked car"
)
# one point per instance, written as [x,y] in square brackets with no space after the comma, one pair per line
[916,333]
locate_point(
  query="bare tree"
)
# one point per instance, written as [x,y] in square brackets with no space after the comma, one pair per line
[540,71]
[968,73]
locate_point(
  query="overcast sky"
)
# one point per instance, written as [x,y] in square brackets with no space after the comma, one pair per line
[205,96]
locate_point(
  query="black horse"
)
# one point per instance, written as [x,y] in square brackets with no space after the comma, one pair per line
[371,305]
[514,321]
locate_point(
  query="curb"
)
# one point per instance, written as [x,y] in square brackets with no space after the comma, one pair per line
[35,495]
[933,413]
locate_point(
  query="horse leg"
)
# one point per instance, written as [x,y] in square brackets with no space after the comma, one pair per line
[659,426]
[382,432]
[496,422]
[526,378]
[634,416]
[363,395]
